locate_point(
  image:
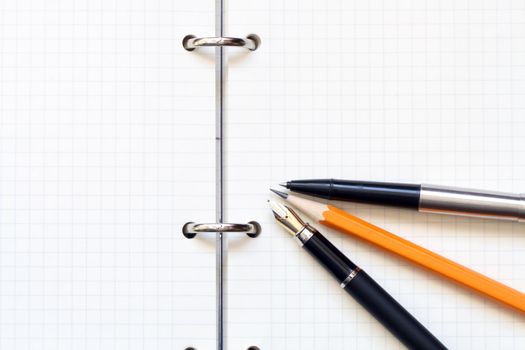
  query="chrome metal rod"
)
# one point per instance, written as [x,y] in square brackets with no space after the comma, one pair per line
[220,240]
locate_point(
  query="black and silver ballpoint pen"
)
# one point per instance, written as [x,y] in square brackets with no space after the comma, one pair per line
[357,282]
[425,198]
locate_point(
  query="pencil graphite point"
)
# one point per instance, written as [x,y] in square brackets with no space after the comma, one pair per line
[280,193]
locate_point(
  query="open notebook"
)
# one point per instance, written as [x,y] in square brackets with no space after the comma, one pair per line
[107,147]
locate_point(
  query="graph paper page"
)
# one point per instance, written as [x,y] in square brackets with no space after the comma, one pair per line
[106,150]
[401,91]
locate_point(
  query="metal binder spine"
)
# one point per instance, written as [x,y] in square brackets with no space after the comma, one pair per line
[190,229]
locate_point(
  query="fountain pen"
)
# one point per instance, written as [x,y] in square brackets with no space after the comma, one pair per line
[425,198]
[357,282]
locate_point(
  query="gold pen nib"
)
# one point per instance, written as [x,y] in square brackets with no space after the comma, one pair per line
[278,209]
[287,217]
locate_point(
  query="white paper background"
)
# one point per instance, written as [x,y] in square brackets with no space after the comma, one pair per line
[408,91]
[106,150]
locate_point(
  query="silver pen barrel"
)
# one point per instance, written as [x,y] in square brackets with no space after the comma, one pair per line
[469,202]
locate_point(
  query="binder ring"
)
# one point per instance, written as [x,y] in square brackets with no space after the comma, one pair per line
[251,42]
[252,228]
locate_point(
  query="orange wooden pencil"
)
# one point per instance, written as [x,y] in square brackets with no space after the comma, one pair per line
[336,218]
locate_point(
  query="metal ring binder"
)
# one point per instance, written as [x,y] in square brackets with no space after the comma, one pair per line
[190,229]
[252,228]
[251,42]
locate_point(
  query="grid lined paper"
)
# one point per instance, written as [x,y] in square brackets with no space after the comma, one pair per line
[406,91]
[106,150]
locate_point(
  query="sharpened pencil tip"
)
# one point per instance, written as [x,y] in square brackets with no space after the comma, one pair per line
[280,193]
[284,184]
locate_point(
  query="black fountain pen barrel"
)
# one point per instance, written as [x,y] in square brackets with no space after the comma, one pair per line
[383,193]
[391,314]
[371,295]
[329,256]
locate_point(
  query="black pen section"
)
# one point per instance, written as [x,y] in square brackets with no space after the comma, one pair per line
[391,314]
[329,256]
[383,193]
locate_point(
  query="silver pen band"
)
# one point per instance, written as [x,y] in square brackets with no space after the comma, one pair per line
[468,202]
[305,234]
[350,277]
